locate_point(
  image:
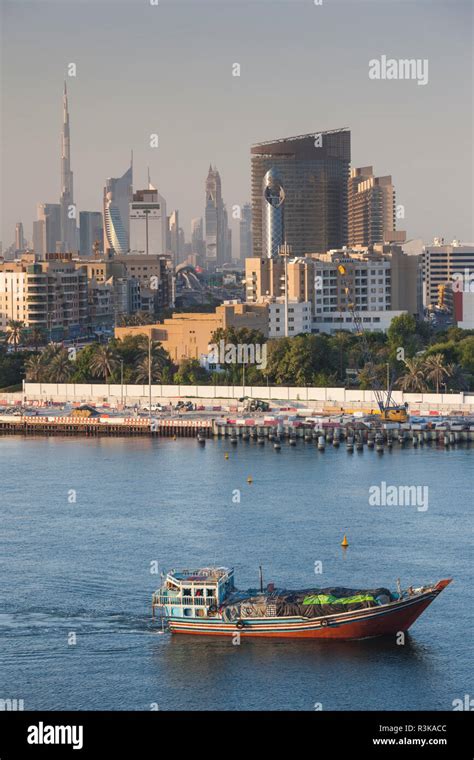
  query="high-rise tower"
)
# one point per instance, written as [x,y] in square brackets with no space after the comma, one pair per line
[118,193]
[313,169]
[68,211]
[148,222]
[272,214]
[246,232]
[371,209]
[213,217]
[217,232]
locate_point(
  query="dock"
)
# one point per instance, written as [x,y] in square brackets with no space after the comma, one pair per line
[104,426]
[353,435]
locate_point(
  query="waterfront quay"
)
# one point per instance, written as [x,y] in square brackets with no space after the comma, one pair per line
[104,426]
[289,429]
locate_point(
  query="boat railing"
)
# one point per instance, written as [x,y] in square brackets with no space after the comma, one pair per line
[185,601]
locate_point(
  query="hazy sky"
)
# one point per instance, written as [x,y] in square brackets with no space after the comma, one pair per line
[167,69]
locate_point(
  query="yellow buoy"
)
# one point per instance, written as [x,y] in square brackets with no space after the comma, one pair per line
[174,438]
[226,456]
[249,479]
[345,542]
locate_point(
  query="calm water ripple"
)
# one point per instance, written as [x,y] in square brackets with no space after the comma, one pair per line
[84,568]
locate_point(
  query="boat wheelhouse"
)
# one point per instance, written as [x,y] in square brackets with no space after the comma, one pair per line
[193,593]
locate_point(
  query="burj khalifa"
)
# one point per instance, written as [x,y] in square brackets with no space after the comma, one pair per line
[68,208]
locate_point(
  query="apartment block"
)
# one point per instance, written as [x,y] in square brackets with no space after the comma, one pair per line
[265,278]
[371,209]
[300,318]
[444,265]
[49,294]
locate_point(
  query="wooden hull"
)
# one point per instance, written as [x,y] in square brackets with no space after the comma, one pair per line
[361,624]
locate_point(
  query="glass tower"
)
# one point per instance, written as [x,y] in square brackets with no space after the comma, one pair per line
[313,169]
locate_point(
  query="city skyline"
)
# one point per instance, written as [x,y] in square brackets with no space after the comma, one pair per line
[387,119]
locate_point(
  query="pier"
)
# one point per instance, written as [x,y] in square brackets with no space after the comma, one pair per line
[353,436]
[108,426]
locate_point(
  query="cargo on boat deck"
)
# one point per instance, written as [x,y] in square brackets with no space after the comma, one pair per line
[308,603]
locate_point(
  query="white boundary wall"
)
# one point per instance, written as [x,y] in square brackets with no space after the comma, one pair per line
[309,396]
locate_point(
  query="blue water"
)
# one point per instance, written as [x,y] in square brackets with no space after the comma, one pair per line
[84,568]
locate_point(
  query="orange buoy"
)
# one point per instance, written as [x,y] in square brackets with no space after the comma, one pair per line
[345,542]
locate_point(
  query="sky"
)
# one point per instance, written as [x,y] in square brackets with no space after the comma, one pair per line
[167,69]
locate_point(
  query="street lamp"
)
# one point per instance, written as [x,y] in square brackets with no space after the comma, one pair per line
[149,374]
[285,251]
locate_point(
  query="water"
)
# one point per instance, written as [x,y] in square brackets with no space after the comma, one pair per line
[84,568]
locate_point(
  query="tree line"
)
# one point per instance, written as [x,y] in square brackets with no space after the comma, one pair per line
[413,357]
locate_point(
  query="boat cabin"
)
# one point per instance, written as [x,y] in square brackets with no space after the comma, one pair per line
[193,593]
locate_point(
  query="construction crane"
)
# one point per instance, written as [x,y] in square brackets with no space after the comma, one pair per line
[389,412]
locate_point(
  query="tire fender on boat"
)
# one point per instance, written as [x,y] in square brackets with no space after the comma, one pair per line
[240,624]
[324,622]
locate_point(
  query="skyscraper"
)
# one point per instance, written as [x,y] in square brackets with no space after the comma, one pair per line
[245,232]
[68,211]
[19,237]
[226,234]
[217,235]
[173,236]
[47,228]
[197,237]
[371,209]
[272,214]
[90,230]
[313,169]
[148,222]
[118,193]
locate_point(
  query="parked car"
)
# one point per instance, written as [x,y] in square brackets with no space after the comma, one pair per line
[152,408]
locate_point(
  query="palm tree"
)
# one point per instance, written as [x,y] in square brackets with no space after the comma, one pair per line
[142,374]
[436,369]
[49,353]
[159,359]
[60,368]
[14,332]
[413,380]
[104,362]
[157,351]
[35,369]
[36,337]
[458,378]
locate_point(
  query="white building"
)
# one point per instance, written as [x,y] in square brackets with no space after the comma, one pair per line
[444,264]
[118,193]
[372,321]
[148,222]
[299,318]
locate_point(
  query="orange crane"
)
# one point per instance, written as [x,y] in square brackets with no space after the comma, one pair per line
[389,412]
